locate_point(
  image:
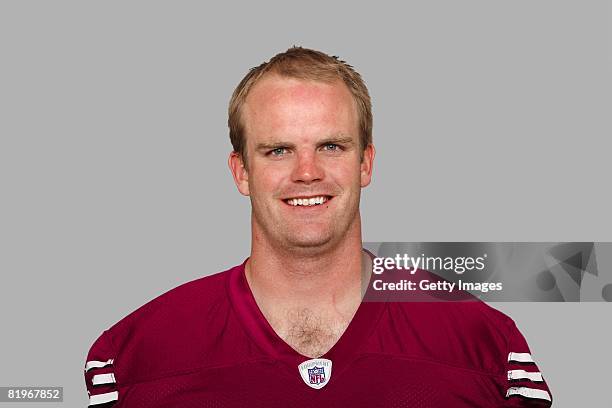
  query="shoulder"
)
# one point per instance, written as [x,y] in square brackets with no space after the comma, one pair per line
[172,333]
[469,335]
[466,334]
[175,310]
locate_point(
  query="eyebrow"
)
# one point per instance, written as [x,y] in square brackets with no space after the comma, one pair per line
[273,145]
[346,140]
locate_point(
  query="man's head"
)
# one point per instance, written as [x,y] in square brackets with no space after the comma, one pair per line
[307,139]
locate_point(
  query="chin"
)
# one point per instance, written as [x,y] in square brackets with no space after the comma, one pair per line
[308,241]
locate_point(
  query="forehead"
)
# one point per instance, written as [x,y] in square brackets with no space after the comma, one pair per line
[279,103]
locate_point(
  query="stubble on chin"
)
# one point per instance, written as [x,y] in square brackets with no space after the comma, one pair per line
[294,238]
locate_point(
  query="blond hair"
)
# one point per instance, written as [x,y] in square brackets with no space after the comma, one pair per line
[305,64]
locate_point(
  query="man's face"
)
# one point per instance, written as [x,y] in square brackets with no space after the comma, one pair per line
[305,172]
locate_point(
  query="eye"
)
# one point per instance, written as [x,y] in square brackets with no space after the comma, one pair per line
[332,147]
[279,151]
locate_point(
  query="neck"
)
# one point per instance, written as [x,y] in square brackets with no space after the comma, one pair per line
[285,276]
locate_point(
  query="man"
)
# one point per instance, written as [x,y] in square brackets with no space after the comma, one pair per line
[288,327]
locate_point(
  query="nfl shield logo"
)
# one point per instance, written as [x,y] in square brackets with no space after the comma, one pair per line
[316,375]
[316,372]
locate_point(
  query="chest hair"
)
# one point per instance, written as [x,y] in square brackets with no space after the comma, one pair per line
[308,332]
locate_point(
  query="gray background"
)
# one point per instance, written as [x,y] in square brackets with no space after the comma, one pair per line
[491,123]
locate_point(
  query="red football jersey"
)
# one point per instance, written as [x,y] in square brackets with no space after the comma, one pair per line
[207,344]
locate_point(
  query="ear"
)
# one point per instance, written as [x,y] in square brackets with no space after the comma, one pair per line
[239,172]
[367,164]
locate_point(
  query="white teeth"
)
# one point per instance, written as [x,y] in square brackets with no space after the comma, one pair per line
[306,201]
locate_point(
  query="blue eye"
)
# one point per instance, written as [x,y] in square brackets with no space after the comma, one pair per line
[331,147]
[278,151]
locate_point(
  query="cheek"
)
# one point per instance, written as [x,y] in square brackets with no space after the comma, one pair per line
[265,180]
[347,175]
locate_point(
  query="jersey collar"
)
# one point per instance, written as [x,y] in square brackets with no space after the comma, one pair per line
[261,332]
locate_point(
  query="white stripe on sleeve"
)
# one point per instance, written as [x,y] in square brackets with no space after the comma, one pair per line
[520,357]
[97,364]
[525,375]
[529,393]
[103,398]
[98,379]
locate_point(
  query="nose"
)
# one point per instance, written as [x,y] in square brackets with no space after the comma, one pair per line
[307,169]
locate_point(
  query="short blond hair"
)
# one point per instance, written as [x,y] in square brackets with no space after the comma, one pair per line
[305,64]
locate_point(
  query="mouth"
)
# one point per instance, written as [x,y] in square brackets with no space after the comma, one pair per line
[310,201]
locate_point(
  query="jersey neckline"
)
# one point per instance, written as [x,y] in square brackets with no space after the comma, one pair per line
[261,332]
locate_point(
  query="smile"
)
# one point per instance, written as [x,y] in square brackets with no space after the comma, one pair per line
[307,201]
